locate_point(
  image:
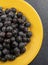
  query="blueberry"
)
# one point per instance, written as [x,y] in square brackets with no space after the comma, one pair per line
[9,28]
[21,33]
[3,16]
[8,19]
[28,40]
[11,14]
[29,34]
[7,23]
[21,45]
[2,34]
[3,59]
[15,32]
[25,30]
[24,18]
[14,44]
[4,29]
[7,11]
[14,25]
[19,39]
[12,39]
[17,51]
[8,56]
[7,40]
[1,24]
[15,20]
[13,57]
[5,51]
[21,27]
[24,35]
[23,50]
[19,14]
[27,24]
[17,54]
[9,34]
[6,45]
[20,21]
[24,39]
[13,10]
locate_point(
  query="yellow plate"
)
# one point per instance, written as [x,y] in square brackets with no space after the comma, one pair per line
[36,28]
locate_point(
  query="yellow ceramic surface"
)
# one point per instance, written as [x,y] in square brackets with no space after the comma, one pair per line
[36,28]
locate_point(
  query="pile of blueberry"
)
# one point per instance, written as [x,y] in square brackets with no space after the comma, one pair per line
[14,34]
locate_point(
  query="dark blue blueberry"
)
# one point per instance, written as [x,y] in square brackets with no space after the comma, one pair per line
[22,50]
[29,34]
[2,34]
[12,39]
[9,34]
[9,28]
[19,14]
[14,44]
[27,24]
[21,45]
[11,14]
[15,20]
[24,18]
[7,23]
[5,51]
[19,39]
[17,51]
[4,29]
[13,10]
[6,45]
[20,21]
[7,11]
[7,40]
[3,17]
[3,59]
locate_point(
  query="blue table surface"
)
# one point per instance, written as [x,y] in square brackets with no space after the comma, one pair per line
[41,7]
